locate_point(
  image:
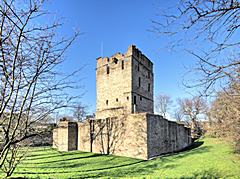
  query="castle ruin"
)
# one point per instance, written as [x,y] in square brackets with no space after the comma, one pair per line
[124,123]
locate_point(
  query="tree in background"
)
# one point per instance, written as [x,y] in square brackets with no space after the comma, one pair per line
[192,109]
[178,115]
[214,26]
[224,116]
[80,112]
[162,104]
[31,87]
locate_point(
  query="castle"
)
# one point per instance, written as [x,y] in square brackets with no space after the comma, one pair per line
[124,123]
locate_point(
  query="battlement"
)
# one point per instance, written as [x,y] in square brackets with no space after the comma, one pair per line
[138,55]
[131,51]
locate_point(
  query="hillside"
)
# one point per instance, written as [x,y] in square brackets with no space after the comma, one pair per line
[209,158]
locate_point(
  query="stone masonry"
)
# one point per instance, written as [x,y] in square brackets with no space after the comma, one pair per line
[124,123]
[65,136]
[124,82]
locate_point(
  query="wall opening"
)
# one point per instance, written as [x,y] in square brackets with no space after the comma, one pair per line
[115,60]
[134,104]
[122,65]
[108,70]
[106,102]
[139,81]
[116,99]
[149,87]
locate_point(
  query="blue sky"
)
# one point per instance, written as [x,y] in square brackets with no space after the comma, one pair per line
[116,25]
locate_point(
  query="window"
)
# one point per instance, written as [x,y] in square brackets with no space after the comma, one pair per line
[148,74]
[139,82]
[122,65]
[115,60]
[106,102]
[140,98]
[116,99]
[127,98]
[134,100]
[149,87]
[108,70]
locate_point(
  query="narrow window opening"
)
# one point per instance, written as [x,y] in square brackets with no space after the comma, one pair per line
[122,65]
[140,98]
[139,82]
[106,102]
[116,99]
[127,98]
[149,87]
[135,100]
[115,60]
[108,70]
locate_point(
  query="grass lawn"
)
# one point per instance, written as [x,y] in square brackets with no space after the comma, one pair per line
[212,159]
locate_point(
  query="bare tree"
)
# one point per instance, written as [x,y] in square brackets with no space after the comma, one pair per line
[192,109]
[162,104]
[178,115]
[213,25]
[31,88]
[80,112]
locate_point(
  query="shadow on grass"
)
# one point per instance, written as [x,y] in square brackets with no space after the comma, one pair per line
[139,167]
[195,148]
[88,170]
[194,145]
[44,156]
[63,160]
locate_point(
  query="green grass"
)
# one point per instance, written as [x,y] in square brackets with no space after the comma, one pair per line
[212,159]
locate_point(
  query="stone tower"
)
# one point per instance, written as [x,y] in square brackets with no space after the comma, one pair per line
[124,124]
[124,84]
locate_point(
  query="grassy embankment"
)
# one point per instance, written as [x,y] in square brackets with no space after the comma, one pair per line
[212,159]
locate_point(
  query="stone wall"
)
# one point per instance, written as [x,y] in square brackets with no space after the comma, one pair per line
[141,135]
[123,136]
[65,136]
[166,136]
[84,136]
[55,138]
[142,81]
